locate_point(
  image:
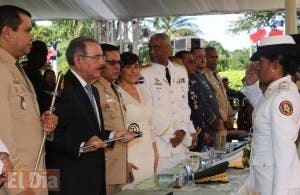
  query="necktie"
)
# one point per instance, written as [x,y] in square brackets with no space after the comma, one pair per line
[91,96]
[168,76]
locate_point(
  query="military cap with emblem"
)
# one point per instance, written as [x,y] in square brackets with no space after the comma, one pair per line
[214,173]
[283,45]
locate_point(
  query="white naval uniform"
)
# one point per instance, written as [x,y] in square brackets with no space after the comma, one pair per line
[274,164]
[170,111]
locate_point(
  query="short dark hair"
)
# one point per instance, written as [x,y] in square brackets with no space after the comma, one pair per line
[47,71]
[10,16]
[128,58]
[195,48]
[38,55]
[77,46]
[210,48]
[108,47]
[181,54]
[289,62]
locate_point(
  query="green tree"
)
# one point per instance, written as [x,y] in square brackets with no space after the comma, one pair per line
[256,20]
[239,59]
[63,31]
[174,26]
[224,56]
[144,54]
[234,77]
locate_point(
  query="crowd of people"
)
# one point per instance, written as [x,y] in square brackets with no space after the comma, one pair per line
[180,104]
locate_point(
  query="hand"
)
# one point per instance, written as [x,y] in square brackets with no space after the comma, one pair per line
[207,138]
[177,138]
[220,126]
[251,73]
[229,122]
[96,142]
[194,140]
[49,121]
[7,166]
[130,167]
[128,136]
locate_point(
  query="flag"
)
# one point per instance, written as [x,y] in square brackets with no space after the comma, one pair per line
[52,53]
[276,28]
[275,32]
[258,35]
[276,23]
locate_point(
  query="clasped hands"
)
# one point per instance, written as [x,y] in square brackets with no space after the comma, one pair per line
[97,143]
[177,138]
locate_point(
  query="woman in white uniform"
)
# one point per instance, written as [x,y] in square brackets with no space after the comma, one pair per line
[142,152]
[274,164]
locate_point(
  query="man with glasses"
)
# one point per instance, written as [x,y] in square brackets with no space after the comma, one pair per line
[167,84]
[78,146]
[113,115]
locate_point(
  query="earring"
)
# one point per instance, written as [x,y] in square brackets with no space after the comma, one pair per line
[273,70]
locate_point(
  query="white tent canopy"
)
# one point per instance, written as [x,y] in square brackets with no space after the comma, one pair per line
[130,9]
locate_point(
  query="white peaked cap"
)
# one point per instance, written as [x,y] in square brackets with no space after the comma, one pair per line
[275,45]
[276,40]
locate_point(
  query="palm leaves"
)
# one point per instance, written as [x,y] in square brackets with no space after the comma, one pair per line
[174,26]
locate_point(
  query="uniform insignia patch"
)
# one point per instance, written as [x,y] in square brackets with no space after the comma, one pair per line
[284,85]
[146,66]
[286,108]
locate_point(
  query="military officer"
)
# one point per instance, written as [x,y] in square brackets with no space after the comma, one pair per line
[113,111]
[220,92]
[20,121]
[274,164]
[202,101]
[168,85]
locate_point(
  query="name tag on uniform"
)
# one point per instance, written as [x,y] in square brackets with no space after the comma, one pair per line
[180,80]
[157,81]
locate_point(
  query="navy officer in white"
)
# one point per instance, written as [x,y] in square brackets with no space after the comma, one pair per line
[274,164]
[168,85]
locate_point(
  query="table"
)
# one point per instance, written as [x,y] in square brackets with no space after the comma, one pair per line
[238,185]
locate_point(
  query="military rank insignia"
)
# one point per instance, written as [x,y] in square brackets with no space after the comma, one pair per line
[286,108]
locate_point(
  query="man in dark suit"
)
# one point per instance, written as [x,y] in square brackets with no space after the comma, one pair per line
[82,171]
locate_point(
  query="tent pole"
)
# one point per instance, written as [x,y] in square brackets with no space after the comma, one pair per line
[290,17]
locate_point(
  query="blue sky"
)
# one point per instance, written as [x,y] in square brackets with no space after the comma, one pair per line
[214,27]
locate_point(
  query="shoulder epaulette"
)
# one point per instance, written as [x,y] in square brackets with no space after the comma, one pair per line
[146,66]
[284,85]
[177,64]
[94,81]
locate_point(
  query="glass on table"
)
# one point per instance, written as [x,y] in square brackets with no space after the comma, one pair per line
[211,155]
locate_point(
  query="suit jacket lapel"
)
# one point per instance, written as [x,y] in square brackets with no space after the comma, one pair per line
[84,102]
[97,98]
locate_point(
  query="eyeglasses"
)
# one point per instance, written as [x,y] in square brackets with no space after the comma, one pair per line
[113,62]
[96,58]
